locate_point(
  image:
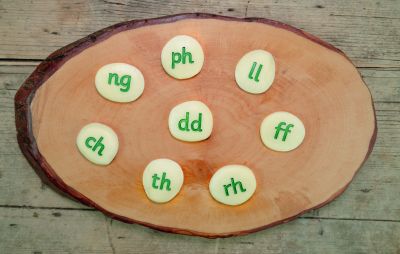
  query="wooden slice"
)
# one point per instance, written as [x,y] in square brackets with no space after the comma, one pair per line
[314,81]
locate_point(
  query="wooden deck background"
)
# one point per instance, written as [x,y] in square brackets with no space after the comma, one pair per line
[365,219]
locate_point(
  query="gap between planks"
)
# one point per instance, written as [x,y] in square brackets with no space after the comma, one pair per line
[9,62]
[94,210]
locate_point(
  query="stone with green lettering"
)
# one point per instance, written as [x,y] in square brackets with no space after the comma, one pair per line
[119,82]
[162,180]
[182,57]
[255,71]
[233,184]
[191,121]
[98,143]
[282,131]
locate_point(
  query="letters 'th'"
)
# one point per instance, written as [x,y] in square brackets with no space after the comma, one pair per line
[164,180]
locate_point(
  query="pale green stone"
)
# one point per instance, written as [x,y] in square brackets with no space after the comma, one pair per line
[119,82]
[188,51]
[98,143]
[282,131]
[255,71]
[233,184]
[162,180]
[190,121]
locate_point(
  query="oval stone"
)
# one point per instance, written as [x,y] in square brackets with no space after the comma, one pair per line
[119,82]
[98,143]
[282,131]
[233,184]
[255,71]
[191,121]
[182,57]
[162,180]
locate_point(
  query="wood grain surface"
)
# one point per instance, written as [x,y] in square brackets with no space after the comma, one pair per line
[363,220]
[326,92]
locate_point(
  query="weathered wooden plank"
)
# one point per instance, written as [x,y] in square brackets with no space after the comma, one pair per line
[359,28]
[372,195]
[44,26]
[366,30]
[52,231]
[66,231]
